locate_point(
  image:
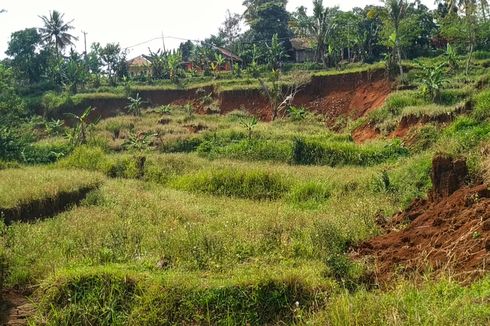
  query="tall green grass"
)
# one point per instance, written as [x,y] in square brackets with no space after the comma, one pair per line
[24,185]
[444,302]
[231,182]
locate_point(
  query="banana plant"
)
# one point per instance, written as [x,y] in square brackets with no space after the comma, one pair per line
[135,104]
[79,134]
[249,124]
[452,57]
[139,141]
[432,80]
[174,61]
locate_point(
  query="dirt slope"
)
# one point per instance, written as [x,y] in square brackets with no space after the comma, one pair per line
[450,232]
[350,94]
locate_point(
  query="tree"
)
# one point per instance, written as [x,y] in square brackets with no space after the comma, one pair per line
[231,29]
[11,105]
[55,31]
[113,58]
[280,98]
[318,26]
[174,65]
[275,53]
[75,72]
[266,18]
[135,104]
[396,10]
[186,50]
[371,26]
[26,61]
[158,61]
[463,24]
[80,132]
[94,63]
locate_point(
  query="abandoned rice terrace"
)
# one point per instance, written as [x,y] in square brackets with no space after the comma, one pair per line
[286,182]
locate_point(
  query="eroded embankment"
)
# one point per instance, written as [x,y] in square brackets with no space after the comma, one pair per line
[449,233]
[407,122]
[350,94]
[45,207]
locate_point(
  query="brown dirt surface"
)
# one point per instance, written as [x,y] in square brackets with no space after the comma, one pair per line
[448,233]
[365,133]
[351,95]
[407,123]
[15,309]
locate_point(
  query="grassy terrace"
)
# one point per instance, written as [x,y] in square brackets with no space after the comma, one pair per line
[205,219]
[24,185]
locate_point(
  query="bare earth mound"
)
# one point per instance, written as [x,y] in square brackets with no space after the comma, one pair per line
[448,233]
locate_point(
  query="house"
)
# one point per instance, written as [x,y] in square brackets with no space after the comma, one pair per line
[230,58]
[139,66]
[304,50]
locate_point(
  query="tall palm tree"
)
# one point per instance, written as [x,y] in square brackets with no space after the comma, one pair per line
[397,10]
[55,31]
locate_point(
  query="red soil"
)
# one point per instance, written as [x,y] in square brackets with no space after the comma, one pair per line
[407,123]
[351,95]
[448,233]
[365,133]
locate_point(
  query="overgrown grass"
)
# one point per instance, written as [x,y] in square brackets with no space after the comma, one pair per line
[444,302]
[23,185]
[229,182]
[115,296]
[140,224]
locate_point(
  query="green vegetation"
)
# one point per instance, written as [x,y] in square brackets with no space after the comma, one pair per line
[160,206]
[24,185]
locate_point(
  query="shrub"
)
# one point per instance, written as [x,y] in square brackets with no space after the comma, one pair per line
[336,153]
[422,138]
[181,145]
[254,150]
[411,179]
[453,96]
[443,302]
[252,184]
[43,153]
[481,55]
[11,144]
[88,158]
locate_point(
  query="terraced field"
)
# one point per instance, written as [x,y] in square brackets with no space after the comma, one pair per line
[174,217]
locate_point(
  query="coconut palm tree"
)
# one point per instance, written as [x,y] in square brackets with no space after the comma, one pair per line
[397,10]
[55,31]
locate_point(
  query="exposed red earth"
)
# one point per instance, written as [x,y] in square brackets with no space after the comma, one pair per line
[448,233]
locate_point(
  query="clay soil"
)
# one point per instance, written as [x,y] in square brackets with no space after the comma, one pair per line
[350,95]
[448,233]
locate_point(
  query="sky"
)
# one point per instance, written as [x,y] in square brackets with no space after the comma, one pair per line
[130,23]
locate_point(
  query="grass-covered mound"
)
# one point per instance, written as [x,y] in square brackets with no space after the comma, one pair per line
[27,193]
[117,296]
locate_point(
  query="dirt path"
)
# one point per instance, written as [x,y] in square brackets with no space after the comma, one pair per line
[15,309]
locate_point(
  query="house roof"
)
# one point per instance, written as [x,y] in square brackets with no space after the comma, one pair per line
[228,54]
[302,43]
[139,61]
